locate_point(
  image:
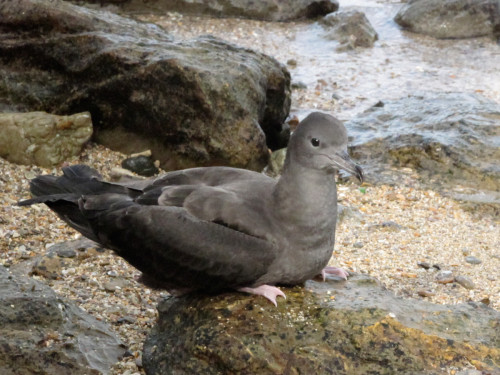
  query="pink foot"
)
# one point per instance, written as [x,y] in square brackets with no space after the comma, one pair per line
[268,291]
[340,272]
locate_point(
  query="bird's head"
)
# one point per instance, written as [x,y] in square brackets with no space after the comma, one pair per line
[320,142]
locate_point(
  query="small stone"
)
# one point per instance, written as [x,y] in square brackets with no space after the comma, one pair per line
[473,260]
[299,85]
[424,265]
[126,320]
[65,253]
[291,62]
[425,293]
[142,165]
[436,266]
[465,251]
[486,300]
[109,287]
[465,282]
[358,245]
[445,277]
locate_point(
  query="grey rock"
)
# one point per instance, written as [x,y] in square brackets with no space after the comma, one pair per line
[196,102]
[450,139]
[41,333]
[473,260]
[269,10]
[351,28]
[451,18]
[142,165]
[41,138]
[465,282]
[322,328]
[66,253]
[358,245]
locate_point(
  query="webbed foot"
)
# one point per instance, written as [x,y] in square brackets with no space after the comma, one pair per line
[340,272]
[268,291]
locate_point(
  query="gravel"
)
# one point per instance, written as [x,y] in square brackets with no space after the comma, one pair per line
[392,232]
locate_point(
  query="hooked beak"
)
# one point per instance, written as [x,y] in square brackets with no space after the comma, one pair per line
[342,160]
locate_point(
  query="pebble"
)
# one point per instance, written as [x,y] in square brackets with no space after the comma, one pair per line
[425,293]
[66,253]
[424,265]
[358,245]
[445,277]
[142,165]
[465,282]
[473,260]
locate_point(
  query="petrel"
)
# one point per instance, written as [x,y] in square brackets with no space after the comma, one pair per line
[215,229]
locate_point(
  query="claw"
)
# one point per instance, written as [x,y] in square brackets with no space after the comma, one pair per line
[268,291]
[340,272]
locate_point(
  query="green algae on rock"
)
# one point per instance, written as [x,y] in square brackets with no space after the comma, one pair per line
[334,327]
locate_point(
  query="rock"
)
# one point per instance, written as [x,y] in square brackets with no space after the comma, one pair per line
[197,102]
[276,162]
[323,328]
[473,260]
[41,333]
[358,245]
[426,293]
[451,139]
[465,282]
[350,28]
[451,18]
[424,265]
[41,138]
[445,277]
[142,165]
[268,10]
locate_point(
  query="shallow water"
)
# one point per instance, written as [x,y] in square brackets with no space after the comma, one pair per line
[346,83]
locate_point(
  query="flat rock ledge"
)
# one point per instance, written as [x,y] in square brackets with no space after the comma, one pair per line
[323,328]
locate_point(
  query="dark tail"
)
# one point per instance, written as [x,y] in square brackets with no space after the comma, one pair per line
[62,193]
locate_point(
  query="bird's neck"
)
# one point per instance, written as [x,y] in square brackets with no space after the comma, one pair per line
[305,196]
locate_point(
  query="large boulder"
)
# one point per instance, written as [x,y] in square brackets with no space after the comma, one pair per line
[196,102]
[42,334]
[353,327]
[451,139]
[268,10]
[451,18]
[42,138]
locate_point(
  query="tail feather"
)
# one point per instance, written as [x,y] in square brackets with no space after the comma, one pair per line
[63,193]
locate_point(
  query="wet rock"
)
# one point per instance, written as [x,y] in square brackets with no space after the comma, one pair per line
[142,165]
[41,333]
[350,28]
[42,138]
[445,277]
[465,282]
[451,18]
[197,102]
[269,10]
[451,139]
[331,327]
[473,260]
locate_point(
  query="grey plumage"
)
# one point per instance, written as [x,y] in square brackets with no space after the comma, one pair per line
[215,228]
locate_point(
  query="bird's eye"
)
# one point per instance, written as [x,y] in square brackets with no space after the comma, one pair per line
[315,142]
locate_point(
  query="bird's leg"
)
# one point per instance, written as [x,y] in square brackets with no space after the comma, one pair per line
[268,291]
[340,272]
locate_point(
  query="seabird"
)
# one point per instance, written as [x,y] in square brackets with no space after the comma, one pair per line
[214,229]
